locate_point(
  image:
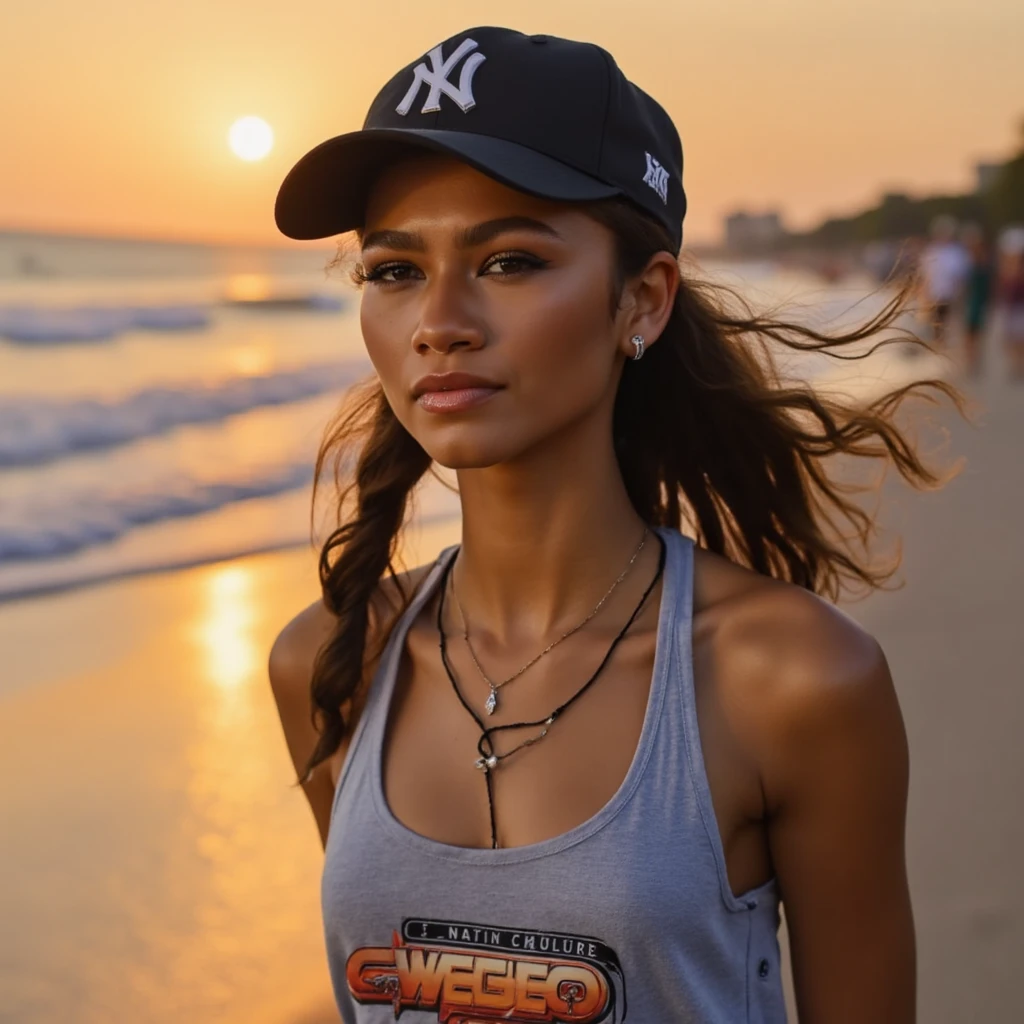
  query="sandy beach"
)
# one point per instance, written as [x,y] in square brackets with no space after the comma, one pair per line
[158,867]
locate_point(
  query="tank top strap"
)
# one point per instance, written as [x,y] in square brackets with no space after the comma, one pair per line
[684,728]
[384,679]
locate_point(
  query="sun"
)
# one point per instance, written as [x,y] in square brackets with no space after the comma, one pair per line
[251,138]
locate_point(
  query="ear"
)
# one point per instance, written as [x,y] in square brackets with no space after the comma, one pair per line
[647,301]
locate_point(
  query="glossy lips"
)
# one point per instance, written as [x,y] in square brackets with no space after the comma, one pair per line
[453,392]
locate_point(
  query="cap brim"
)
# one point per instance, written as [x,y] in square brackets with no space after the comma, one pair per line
[324,194]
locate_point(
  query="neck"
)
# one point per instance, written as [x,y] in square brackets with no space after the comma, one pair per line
[541,546]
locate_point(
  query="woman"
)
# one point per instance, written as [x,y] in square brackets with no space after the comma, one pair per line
[1011,294]
[978,289]
[944,266]
[566,771]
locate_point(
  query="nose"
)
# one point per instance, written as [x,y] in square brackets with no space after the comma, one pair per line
[446,322]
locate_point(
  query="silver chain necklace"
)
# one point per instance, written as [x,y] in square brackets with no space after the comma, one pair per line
[491,704]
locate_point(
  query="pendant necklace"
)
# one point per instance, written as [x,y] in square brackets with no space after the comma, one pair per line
[488,760]
[491,704]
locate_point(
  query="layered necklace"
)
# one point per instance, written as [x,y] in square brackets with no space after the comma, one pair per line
[488,760]
[491,704]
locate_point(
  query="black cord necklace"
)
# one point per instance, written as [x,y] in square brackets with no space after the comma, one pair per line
[488,760]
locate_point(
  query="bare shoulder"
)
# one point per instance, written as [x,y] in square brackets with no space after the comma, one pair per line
[791,669]
[295,648]
[294,651]
[777,630]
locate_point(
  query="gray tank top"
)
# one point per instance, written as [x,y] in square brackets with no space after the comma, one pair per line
[627,917]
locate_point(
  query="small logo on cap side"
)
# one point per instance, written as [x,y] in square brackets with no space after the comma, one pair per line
[656,177]
[437,76]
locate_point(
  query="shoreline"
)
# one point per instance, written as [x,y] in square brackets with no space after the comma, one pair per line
[31,592]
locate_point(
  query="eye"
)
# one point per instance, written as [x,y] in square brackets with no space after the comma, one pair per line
[362,276]
[521,262]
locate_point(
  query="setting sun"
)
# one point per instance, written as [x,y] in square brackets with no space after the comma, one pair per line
[251,138]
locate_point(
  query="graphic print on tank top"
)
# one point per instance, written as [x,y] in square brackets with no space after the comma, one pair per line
[473,974]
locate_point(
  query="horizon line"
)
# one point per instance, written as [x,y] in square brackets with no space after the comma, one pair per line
[85,235]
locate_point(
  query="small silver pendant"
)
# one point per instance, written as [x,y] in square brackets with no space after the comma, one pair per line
[486,763]
[491,704]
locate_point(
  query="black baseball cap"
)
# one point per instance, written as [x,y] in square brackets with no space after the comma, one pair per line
[548,116]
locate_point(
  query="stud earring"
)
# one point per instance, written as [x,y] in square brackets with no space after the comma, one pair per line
[638,341]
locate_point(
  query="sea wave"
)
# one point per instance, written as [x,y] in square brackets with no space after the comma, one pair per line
[37,430]
[45,526]
[29,325]
[61,325]
[256,524]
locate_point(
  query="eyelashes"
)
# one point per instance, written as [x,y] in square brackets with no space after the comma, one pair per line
[360,275]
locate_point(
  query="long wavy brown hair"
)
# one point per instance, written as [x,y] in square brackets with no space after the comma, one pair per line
[708,435]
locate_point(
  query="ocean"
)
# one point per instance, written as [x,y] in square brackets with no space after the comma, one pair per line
[161,403]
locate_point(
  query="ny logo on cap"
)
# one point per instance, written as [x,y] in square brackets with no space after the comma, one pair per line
[437,76]
[656,177]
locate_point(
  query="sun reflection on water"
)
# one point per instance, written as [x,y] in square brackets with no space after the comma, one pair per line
[226,631]
[249,888]
[247,287]
[253,358]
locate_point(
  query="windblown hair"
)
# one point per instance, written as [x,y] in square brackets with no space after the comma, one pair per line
[707,435]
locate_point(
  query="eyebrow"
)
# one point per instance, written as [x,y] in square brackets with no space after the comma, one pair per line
[476,235]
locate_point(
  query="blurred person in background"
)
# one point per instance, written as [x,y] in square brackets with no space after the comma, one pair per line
[978,290]
[944,266]
[534,329]
[1011,297]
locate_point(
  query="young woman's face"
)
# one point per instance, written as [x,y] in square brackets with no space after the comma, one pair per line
[523,306]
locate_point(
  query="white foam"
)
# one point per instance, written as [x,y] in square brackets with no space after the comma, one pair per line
[37,430]
[231,531]
[42,325]
[49,525]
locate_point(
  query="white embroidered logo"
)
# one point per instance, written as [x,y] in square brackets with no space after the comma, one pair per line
[656,177]
[437,76]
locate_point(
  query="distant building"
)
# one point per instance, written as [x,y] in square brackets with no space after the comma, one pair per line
[985,176]
[753,232]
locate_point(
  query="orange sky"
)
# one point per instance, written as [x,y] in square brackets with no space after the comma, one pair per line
[115,112]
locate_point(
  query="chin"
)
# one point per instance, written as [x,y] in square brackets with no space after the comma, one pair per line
[466,455]
[466,447]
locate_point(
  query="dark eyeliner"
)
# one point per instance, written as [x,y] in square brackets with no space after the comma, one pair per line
[535,262]
[373,275]
[532,262]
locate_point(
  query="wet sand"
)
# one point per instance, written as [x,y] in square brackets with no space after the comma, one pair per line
[158,868]
[156,865]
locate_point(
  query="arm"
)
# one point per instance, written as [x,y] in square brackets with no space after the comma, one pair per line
[290,667]
[835,777]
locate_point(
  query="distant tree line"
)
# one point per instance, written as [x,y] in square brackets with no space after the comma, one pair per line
[900,216]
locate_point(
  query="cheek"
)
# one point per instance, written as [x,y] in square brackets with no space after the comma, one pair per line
[385,336]
[564,353]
